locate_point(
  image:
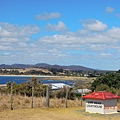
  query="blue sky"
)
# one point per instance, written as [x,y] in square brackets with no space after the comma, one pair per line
[64,32]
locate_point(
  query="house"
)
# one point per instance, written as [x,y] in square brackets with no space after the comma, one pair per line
[101,102]
[82,91]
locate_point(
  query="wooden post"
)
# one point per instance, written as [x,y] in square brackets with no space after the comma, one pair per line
[47,96]
[66,96]
[32,105]
[34,82]
[81,98]
[11,97]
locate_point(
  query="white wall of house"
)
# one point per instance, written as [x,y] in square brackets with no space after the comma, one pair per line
[101,106]
[82,91]
[94,106]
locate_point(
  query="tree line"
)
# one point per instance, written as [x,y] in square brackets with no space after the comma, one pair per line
[107,82]
[55,71]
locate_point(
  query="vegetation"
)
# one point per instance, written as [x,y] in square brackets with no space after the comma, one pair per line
[24,92]
[52,71]
[25,89]
[109,82]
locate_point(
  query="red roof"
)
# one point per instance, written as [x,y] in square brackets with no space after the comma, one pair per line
[101,95]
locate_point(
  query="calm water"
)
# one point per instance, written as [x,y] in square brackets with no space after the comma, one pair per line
[22,79]
[17,79]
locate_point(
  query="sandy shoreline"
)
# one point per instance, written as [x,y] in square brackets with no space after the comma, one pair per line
[51,77]
[30,76]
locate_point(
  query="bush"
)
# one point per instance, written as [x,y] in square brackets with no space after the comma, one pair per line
[102,87]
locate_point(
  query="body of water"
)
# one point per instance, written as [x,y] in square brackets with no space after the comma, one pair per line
[22,79]
[17,79]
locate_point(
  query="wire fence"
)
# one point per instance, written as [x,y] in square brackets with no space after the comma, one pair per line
[25,102]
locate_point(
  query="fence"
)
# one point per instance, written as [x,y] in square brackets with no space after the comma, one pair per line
[24,102]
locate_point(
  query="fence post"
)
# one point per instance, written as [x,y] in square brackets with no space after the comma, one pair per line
[11,97]
[66,96]
[47,96]
[32,105]
[81,98]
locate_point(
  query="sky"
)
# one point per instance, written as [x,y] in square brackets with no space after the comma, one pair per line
[63,32]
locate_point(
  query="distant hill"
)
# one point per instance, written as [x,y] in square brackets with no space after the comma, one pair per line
[44,65]
[15,66]
[71,67]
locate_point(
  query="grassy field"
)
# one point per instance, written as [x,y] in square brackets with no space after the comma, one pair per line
[54,114]
[57,111]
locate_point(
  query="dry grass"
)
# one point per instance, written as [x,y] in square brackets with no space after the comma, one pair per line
[20,102]
[57,111]
[28,69]
[54,114]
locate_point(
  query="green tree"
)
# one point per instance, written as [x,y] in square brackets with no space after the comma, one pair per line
[111,80]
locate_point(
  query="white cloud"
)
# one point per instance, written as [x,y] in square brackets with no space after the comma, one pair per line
[94,25]
[8,30]
[13,36]
[8,40]
[22,44]
[4,47]
[114,33]
[68,47]
[47,16]
[105,54]
[109,10]
[60,27]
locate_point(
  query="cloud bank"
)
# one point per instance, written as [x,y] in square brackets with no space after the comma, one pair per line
[94,42]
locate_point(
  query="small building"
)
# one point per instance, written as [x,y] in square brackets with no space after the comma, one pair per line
[82,91]
[101,102]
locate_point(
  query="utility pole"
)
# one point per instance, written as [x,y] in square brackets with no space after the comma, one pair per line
[11,97]
[47,96]
[66,96]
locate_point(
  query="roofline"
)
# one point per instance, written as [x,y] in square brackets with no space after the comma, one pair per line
[100,99]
